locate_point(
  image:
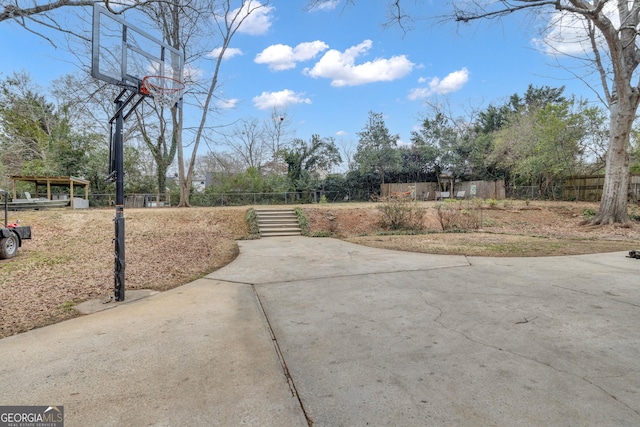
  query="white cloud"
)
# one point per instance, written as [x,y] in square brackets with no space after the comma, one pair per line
[341,67]
[281,99]
[258,18]
[282,57]
[227,104]
[567,36]
[341,133]
[451,83]
[326,5]
[567,33]
[228,54]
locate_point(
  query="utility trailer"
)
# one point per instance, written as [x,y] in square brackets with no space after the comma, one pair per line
[11,235]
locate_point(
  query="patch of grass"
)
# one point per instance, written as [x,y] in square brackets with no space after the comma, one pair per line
[489,222]
[197,276]
[403,232]
[319,233]
[589,213]
[32,260]
[69,306]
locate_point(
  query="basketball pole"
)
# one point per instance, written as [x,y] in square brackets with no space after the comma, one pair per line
[117,174]
[119,258]
[119,58]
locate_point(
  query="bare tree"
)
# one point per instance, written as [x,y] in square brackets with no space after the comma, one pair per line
[227,17]
[218,163]
[278,135]
[89,103]
[161,141]
[347,151]
[247,142]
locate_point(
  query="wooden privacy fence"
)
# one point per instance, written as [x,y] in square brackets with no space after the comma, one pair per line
[589,187]
[431,190]
[417,190]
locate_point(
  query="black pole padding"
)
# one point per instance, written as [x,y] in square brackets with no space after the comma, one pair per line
[118,153]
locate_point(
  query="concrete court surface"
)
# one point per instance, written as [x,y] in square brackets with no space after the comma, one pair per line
[299,330]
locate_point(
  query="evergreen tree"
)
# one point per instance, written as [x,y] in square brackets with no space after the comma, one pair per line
[377,148]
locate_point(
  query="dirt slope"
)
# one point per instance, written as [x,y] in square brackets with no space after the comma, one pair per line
[70,258]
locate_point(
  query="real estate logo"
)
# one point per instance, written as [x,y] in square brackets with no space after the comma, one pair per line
[31,416]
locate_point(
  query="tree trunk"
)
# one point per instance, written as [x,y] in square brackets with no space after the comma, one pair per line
[613,206]
[162,178]
[184,182]
[185,189]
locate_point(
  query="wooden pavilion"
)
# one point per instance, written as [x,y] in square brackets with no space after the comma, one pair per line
[52,181]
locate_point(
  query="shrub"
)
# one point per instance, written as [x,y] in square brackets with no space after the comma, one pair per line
[252,221]
[447,215]
[471,216]
[470,219]
[401,214]
[303,221]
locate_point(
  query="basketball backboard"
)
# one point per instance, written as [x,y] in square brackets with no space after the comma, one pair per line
[123,54]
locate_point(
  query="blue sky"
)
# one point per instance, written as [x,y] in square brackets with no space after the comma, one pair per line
[328,68]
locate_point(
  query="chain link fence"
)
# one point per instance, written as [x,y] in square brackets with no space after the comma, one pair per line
[555,192]
[533,192]
[233,198]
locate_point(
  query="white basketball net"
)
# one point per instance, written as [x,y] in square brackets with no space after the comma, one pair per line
[166,92]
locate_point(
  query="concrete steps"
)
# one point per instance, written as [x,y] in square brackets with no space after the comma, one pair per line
[278,222]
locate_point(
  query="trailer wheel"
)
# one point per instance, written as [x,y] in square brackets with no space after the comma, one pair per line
[9,246]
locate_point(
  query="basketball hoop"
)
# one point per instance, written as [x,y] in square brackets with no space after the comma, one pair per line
[166,91]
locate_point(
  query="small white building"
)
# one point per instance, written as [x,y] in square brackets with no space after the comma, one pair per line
[199,184]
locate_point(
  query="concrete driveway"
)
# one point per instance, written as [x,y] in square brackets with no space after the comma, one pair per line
[299,331]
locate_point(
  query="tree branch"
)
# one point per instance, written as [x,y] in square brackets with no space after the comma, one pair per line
[13,11]
[598,60]
[462,16]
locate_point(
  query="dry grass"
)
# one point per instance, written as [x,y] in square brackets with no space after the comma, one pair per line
[511,228]
[70,258]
